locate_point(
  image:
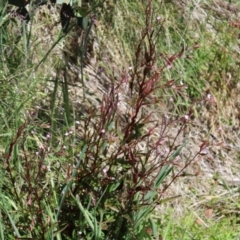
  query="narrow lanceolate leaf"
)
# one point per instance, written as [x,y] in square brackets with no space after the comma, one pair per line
[165,170]
[162,174]
[88,217]
[177,152]
[153,227]
[165,200]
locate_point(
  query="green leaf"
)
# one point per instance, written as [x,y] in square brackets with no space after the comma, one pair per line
[123,162]
[150,195]
[162,174]
[114,186]
[177,152]
[165,200]
[63,1]
[111,126]
[59,231]
[165,170]
[142,215]
[13,224]
[154,227]
[89,218]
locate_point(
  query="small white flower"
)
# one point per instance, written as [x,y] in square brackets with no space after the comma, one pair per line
[105,169]
[161,153]
[204,152]
[177,158]
[120,97]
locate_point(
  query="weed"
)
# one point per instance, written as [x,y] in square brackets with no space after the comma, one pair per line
[100,171]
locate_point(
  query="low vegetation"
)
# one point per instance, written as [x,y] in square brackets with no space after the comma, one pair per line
[119,120]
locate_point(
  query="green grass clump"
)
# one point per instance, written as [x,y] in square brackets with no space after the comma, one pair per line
[191,226]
